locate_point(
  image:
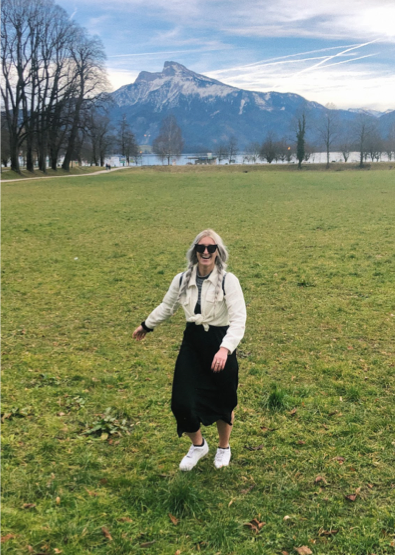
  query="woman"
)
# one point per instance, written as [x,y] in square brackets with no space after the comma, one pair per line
[206,373]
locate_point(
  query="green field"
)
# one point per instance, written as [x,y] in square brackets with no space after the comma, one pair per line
[84,262]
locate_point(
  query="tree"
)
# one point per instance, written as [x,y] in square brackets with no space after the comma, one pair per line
[232,149]
[127,141]
[221,152]
[375,145]
[284,151]
[268,149]
[89,78]
[300,139]
[389,143]
[328,130]
[50,69]
[251,152]
[362,129]
[169,142]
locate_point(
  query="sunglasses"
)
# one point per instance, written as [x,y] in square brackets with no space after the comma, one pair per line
[210,248]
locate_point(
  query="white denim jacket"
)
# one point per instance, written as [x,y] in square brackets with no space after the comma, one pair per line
[229,310]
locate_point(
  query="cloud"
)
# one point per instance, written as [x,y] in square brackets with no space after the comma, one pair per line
[347,86]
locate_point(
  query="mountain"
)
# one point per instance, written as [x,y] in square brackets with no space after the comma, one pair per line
[210,112]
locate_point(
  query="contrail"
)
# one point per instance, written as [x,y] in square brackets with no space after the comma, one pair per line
[352,60]
[330,58]
[335,56]
[270,60]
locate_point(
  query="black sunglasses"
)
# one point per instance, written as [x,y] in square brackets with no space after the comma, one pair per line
[210,248]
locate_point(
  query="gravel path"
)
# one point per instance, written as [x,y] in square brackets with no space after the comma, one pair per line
[60,176]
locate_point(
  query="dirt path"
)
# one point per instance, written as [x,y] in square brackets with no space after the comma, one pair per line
[60,176]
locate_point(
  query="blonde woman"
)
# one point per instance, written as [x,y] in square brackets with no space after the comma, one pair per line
[206,372]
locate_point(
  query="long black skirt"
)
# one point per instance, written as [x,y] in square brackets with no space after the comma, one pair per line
[201,396]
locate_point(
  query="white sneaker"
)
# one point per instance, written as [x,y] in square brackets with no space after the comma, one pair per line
[222,457]
[193,456]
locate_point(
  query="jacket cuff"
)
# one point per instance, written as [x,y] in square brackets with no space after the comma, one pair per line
[228,346]
[145,327]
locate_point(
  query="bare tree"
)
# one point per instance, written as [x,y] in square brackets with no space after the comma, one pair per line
[126,140]
[328,129]
[169,142]
[221,152]
[232,149]
[251,152]
[285,152]
[362,129]
[389,143]
[268,149]
[88,57]
[375,145]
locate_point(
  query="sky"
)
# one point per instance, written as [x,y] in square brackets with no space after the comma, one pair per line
[339,52]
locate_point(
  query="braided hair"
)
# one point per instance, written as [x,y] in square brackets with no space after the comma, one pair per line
[220,261]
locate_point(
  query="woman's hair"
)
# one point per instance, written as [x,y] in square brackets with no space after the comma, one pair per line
[220,261]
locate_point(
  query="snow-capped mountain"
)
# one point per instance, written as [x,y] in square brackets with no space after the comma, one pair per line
[208,111]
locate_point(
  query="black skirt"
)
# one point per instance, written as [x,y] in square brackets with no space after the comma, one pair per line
[201,396]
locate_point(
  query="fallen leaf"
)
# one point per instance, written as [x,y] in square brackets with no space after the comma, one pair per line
[173,519]
[106,533]
[7,537]
[56,550]
[370,486]
[340,460]
[264,429]
[58,500]
[147,544]
[301,442]
[30,549]
[61,414]
[178,552]
[320,479]
[322,532]
[293,412]
[230,502]
[255,525]
[104,436]
[304,550]
[91,493]
[244,491]
[284,552]
[258,448]
[125,519]
[351,497]
[28,505]
[286,517]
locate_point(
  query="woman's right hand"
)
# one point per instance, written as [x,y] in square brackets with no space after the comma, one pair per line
[139,333]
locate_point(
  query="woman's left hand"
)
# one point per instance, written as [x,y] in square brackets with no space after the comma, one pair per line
[219,360]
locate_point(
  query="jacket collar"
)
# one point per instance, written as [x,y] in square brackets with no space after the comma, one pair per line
[212,277]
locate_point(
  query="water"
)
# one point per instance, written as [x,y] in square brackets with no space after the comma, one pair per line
[184,159]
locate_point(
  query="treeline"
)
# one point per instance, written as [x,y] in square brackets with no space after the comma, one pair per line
[308,136]
[54,104]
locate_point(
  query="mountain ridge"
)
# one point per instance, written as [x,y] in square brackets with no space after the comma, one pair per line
[210,112]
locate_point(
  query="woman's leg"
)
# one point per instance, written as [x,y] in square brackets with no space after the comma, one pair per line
[224,431]
[195,437]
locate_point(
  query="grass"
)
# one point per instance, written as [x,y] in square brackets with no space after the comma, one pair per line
[84,262]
